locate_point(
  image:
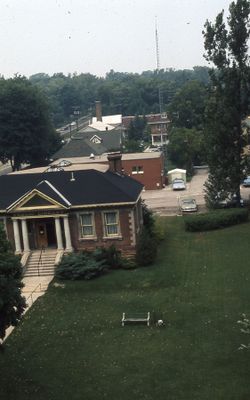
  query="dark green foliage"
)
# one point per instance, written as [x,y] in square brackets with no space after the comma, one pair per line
[119,92]
[80,265]
[136,128]
[148,218]
[186,148]
[228,105]
[12,304]
[146,249]
[110,255]
[89,265]
[187,108]
[215,219]
[26,132]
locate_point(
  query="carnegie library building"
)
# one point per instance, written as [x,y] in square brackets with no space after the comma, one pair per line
[70,208]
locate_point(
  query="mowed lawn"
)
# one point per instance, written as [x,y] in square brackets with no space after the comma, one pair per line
[71,345]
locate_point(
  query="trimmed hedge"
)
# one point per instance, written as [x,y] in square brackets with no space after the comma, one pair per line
[215,219]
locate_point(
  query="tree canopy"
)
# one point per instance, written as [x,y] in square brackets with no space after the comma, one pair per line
[26,131]
[12,304]
[226,48]
[119,92]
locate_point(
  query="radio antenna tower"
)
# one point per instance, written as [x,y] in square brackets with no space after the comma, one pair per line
[158,64]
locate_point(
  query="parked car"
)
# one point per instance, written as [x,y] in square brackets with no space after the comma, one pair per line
[246,182]
[228,202]
[178,184]
[188,205]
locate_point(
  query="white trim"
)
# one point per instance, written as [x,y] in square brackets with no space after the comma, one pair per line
[57,191]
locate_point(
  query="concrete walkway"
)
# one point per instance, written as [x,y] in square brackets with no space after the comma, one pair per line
[34,287]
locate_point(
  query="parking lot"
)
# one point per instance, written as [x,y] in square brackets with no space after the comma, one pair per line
[166,201]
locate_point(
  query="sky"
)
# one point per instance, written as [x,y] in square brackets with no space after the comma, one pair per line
[95,36]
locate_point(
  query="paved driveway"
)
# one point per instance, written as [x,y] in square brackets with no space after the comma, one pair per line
[166,201]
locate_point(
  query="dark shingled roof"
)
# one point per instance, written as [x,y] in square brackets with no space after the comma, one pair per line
[81,145]
[89,187]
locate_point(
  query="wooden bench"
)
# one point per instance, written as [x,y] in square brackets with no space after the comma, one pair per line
[142,317]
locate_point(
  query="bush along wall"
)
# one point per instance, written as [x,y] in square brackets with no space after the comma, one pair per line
[88,265]
[215,219]
[146,249]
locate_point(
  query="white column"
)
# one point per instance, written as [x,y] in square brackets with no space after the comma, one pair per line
[17,236]
[67,233]
[26,246]
[58,234]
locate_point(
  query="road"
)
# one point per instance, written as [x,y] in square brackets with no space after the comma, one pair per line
[166,201]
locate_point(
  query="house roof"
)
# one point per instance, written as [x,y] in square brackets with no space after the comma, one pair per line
[104,158]
[81,144]
[87,188]
[101,126]
[110,119]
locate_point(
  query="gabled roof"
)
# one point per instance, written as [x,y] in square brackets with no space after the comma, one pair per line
[81,145]
[87,188]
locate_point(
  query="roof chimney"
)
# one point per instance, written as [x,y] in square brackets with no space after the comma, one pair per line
[98,110]
[115,162]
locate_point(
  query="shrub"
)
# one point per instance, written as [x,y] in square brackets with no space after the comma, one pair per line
[146,248]
[215,219]
[80,265]
[88,265]
[110,255]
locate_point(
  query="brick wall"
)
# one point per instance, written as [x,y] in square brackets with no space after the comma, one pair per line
[126,242]
[153,171]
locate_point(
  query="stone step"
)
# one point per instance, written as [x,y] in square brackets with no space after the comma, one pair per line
[41,264]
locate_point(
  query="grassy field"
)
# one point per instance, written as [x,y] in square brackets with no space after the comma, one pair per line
[71,345]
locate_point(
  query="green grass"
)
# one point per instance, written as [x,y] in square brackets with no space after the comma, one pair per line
[70,345]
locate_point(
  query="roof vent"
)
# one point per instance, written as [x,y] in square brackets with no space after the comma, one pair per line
[64,163]
[54,168]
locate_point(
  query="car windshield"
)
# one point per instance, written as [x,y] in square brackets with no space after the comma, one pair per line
[178,181]
[188,201]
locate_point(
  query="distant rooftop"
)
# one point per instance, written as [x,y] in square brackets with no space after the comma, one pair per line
[109,119]
[104,158]
[72,167]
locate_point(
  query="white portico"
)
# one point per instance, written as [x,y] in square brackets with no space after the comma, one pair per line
[41,231]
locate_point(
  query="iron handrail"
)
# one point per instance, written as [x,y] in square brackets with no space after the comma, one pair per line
[33,291]
[40,260]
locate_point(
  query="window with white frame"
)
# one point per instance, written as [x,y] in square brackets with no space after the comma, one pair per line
[111,223]
[87,225]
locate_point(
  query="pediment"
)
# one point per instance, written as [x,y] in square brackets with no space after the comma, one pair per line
[96,139]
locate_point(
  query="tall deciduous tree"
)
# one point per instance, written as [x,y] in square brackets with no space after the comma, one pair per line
[26,133]
[12,304]
[227,48]
[186,147]
[186,110]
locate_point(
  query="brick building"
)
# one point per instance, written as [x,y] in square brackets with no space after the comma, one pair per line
[81,208]
[158,124]
[147,168]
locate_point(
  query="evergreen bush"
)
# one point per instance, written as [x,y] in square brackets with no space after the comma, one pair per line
[89,265]
[146,249]
[80,265]
[215,219]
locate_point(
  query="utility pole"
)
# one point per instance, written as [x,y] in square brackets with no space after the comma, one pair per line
[158,64]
